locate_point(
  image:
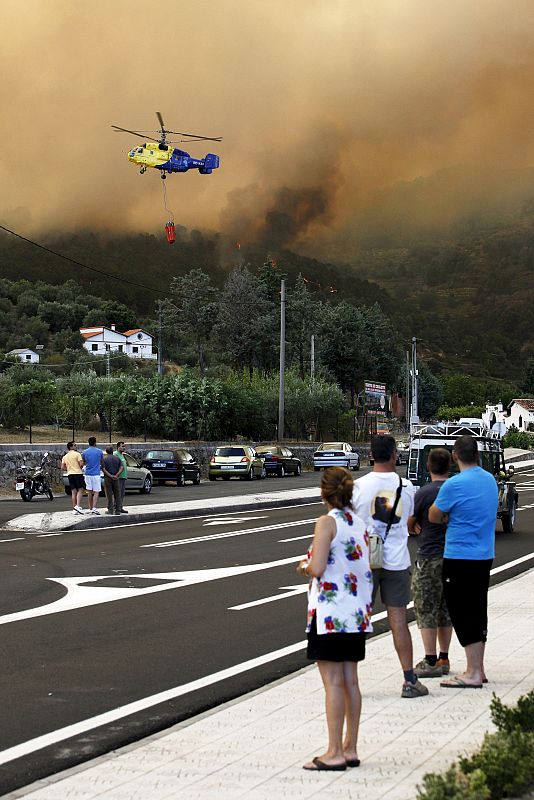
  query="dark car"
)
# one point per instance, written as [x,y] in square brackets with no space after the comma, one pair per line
[279,460]
[172,465]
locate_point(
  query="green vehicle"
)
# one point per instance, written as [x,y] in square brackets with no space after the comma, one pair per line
[236,461]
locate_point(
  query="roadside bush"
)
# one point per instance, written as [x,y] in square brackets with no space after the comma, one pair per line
[456,412]
[519,439]
[507,718]
[504,765]
[454,785]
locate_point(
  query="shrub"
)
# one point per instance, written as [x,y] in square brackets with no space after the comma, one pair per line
[506,760]
[507,718]
[504,765]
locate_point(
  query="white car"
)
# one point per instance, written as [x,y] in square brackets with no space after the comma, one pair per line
[336,454]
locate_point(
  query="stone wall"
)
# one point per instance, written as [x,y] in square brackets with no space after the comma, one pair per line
[13,456]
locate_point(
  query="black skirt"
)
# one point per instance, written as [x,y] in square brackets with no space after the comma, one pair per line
[335,646]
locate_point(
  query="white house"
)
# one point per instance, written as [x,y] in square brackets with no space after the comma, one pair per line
[25,355]
[135,343]
[521,414]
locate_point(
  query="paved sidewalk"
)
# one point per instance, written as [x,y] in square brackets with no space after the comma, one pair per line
[254,747]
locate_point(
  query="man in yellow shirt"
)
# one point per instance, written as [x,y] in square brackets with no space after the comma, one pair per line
[72,464]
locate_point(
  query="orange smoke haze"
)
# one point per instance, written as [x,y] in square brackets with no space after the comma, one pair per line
[340,118]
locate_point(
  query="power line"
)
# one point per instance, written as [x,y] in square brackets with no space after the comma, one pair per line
[80,264]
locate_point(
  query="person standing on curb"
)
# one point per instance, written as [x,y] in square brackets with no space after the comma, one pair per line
[467,503]
[431,613]
[339,615]
[374,500]
[119,452]
[92,458]
[72,464]
[112,467]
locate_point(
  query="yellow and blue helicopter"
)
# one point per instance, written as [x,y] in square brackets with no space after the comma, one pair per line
[156,153]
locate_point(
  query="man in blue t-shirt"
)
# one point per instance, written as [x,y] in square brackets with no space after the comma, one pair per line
[92,459]
[467,502]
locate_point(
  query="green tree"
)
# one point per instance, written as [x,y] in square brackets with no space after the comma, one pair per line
[303,313]
[191,311]
[246,330]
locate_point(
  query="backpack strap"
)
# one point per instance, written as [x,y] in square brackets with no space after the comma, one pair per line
[395,504]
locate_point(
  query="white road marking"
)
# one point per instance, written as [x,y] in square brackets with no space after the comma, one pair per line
[231,520]
[17,539]
[297,538]
[81,595]
[294,590]
[227,534]
[524,508]
[77,728]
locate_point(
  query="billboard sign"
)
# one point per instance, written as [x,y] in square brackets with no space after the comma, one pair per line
[375,397]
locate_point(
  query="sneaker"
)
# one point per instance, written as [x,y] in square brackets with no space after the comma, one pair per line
[95,511]
[425,670]
[78,509]
[445,665]
[413,689]
[123,511]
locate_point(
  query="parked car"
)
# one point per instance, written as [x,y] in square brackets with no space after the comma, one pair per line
[139,477]
[172,465]
[336,454]
[236,461]
[279,460]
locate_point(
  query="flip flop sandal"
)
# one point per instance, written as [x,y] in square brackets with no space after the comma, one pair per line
[321,766]
[458,683]
[352,762]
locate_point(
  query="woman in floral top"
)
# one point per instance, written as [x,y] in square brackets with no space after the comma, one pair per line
[339,615]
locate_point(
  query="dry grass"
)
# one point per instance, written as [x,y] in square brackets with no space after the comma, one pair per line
[51,434]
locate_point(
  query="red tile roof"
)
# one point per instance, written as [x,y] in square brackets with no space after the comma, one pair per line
[134,330]
[527,404]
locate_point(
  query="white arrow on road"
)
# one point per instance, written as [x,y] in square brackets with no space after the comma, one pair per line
[84,590]
[294,590]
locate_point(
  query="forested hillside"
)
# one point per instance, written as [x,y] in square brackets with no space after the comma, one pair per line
[468,298]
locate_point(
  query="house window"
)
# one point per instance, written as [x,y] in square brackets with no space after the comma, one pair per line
[520,421]
[28,357]
[135,349]
[121,348]
[94,347]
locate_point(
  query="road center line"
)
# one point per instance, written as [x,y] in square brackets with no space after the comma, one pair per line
[227,534]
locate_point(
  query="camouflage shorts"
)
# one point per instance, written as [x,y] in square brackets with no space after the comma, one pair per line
[427,591]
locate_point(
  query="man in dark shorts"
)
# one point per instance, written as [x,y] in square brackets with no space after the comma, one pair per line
[467,503]
[72,464]
[431,612]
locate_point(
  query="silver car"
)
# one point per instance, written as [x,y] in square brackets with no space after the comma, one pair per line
[336,454]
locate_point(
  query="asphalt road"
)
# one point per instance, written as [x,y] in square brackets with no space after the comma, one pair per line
[111,634]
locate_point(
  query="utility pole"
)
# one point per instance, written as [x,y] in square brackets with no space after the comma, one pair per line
[160,340]
[108,365]
[312,358]
[414,417]
[282,360]
[407,393]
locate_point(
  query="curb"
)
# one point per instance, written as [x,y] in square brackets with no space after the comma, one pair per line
[65,521]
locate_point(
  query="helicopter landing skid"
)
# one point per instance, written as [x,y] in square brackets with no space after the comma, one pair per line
[142,170]
[163,176]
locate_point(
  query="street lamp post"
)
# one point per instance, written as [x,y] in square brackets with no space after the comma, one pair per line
[282,360]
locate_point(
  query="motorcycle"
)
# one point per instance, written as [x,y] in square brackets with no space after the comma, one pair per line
[33,481]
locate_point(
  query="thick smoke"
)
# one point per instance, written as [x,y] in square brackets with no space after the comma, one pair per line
[343,121]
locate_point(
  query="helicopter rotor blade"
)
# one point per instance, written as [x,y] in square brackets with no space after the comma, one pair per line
[196,136]
[160,120]
[134,133]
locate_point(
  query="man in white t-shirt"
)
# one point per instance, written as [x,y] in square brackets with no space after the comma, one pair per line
[373,500]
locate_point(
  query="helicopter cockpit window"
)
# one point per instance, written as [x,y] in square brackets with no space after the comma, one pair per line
[139,149]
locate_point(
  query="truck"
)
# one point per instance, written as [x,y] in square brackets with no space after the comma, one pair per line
[424,438]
